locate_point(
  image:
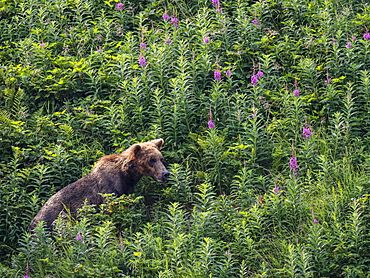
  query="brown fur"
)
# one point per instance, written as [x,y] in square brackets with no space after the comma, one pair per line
[116,173]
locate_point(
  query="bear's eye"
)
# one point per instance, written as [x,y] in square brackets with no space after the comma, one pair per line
[152,161]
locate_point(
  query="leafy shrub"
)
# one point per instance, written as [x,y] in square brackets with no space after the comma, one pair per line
[264,108]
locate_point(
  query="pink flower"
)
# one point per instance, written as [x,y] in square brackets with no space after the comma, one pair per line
[306,134]
[168,41]
[254,80]
[255,21]
[142,61]
[42,45]
[143,45]
[293,165]
[315,221]
[206,40]
[296,92]
[166,17]
[120,6]
[228,73]
[276,190]
[211,124]
[175,21]
[217,75]
[216,3]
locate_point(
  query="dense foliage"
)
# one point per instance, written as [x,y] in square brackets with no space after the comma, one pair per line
[264,109]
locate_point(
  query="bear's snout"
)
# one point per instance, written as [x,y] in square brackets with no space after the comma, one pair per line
[165,176]
[162,176]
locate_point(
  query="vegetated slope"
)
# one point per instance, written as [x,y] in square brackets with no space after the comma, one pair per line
[264,108]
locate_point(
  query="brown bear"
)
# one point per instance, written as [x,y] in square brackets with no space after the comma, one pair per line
[116,173]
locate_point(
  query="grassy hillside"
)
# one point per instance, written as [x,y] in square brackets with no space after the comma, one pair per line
[264,107]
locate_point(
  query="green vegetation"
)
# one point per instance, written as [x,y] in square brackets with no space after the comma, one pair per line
[264,107]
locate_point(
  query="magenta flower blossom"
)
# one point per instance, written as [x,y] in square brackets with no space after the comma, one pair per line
[142,61]
[293,165]
[42,45]
[175,21]
[276,190]
[143,45]
[354,38]
[254,80]
[315,221]
[120,7]
[296,92]
[217,75]
[211,124]
[168,41]
[26,276]
[79,238]
[228,73]
[206,40]
[216,3]
[255,21]
[349,45]
[367,36]
[306,134]
[166,17]
[327,81]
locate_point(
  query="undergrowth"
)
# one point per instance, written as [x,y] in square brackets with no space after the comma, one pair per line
[264,109]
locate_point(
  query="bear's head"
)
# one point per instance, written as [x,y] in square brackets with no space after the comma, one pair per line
[147,159]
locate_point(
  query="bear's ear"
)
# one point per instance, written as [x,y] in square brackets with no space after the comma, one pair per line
[158,143]
[136,148]
[133,151]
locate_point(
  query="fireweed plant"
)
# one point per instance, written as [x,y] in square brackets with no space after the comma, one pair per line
[231,86]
